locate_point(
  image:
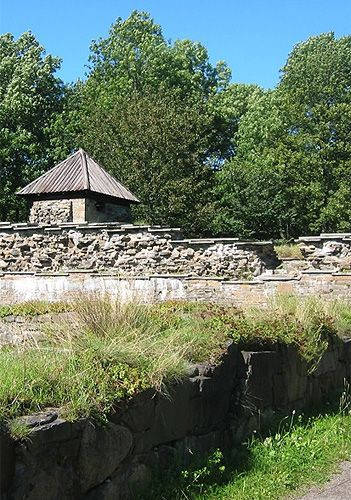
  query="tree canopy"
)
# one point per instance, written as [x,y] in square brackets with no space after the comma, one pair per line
[30,99]
[294,149]
[201,152]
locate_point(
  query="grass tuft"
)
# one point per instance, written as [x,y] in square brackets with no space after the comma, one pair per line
[288,251]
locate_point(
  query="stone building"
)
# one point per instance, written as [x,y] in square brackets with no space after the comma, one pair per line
[78,190]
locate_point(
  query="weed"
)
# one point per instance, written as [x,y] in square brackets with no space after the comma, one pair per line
[288,251]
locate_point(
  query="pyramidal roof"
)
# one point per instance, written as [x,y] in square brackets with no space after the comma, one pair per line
[78,172]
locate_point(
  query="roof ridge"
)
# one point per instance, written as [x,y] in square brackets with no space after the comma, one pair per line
[85,170]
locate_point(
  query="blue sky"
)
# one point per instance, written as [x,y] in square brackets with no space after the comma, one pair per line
[254,37]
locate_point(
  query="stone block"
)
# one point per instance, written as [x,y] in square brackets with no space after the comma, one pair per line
[102,451]
[7,462]
[258,388]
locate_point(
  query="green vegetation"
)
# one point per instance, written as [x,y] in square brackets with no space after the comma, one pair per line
[34,308]
[306,324]
[288,251]
[289,174]
[31,98]
[111,351]
[303,452]
[201,152]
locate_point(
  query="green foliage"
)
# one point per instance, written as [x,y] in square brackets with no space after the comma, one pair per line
[199,151]
[304,451]
[157,115]
[33,308]
[136,56]
[290,174]
[30,99]
[158,146]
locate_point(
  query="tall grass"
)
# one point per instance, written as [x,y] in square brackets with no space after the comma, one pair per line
[111,350]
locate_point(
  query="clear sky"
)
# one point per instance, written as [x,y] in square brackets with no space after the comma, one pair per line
[254,36]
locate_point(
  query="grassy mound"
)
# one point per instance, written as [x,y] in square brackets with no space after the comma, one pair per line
[110,351]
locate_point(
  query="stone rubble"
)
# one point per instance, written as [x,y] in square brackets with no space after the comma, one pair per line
[46,210]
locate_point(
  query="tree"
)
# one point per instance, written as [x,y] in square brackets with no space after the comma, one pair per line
[135,56]
[152,114]
[159,146]
[298,135]
[30,97]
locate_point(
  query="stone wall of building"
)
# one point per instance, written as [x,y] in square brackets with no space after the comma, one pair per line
[46,211]
[77,210]
[60,286]
[100,211]
[215,407]
[129,251]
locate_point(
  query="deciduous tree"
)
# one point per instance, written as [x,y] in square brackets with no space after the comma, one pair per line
[30,97]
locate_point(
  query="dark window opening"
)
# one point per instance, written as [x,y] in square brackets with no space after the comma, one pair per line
[100,206]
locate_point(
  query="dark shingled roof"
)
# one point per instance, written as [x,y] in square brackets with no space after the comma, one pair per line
[78,173]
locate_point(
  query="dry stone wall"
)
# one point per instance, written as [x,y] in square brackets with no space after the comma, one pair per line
[329,251]
[215,407]
[129,251]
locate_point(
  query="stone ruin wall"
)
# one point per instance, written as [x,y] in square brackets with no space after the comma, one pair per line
[51,262]
[129,251]
[328,251]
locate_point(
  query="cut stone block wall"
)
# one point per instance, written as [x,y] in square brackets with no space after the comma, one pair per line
[78,205]
[21,287]
[215,407]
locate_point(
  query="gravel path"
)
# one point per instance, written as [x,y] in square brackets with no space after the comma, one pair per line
[338,488]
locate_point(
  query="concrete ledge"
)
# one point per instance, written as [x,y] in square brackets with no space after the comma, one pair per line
[318,271]
[279,278]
